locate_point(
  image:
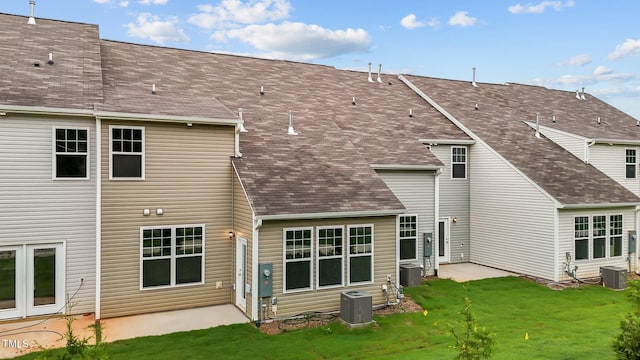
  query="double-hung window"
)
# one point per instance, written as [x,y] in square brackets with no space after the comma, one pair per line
[330,260]
[71,159]
[615,235]
[297,258]
[458,162]
[581,237]
[408,235]
[597,236]
[172,256]
[360,253]
[126,144]
[630,161]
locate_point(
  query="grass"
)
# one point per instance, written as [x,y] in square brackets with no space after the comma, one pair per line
[570,324]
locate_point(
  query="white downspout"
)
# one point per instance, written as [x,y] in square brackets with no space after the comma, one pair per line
[257,224]
[436,215]
[98,165]
[587,150]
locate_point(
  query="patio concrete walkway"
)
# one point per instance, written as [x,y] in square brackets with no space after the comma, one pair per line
[468,271]
[21,337]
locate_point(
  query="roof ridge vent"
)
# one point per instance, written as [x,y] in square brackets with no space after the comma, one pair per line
[379,79]
[242,128]
[473,82]
[32,18]
[291,131]
[370,78]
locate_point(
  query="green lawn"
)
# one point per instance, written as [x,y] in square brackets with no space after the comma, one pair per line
[570,324]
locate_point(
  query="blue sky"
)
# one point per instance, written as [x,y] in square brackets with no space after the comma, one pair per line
[564,44]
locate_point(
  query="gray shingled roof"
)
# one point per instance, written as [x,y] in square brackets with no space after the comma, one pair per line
[73,81]
[500,122]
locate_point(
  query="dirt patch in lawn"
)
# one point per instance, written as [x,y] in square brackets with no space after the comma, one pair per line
[312,320]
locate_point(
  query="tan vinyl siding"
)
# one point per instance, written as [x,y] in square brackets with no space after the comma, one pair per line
[416,191]
[512,222]
[384,258]
[454,202]
[611,160]
[188,174]
[574,144]
[243,227]
[591,268]
[34,209]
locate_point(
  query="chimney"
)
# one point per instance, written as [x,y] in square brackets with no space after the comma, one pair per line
[474,78]
[32,19]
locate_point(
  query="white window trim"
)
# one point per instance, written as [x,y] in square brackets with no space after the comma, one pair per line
[54,159]
[173,257]
[590,237]
[285,261]
[143,154]
[341,257]
[635,164]
[415,238]
[465,163]
[349,255]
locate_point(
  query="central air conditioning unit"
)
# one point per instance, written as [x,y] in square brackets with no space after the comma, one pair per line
[356,307]
[614,277]
[410,275]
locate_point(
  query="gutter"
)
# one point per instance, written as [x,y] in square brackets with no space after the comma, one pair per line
[406,167]
[447,142]
[597,206]
[44,110]
[107,115]
[330,215]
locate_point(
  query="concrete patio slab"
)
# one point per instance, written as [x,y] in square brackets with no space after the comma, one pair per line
[468,271]
[21,337]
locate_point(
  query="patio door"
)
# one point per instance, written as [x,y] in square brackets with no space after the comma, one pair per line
[31,280]
[241,273]
[443,241]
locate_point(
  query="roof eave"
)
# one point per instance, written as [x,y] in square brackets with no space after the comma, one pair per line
[110,115]
[447,141]
[44,110]
[616,141]
[597,205]
[332,215]
[406,167]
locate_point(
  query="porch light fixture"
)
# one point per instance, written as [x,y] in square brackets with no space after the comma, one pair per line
[231,235]
[455,220]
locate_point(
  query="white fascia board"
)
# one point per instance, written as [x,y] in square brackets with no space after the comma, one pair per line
[597,206]
[107,115]
[406,167]
[616,142]
[331,215]
[45,110]
[244,191]
[447,141]
[475,137]
[561,132]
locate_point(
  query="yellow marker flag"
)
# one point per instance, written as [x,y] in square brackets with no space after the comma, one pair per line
[526,336]
[425,312]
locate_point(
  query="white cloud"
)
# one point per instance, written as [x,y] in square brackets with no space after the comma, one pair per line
[579,60]
[602,70]
[433,22]
[299,41]
[462,19]
[124,3]
[540,8]
[630,47]
[156,29]
[410,22]
[230,12]
[153,2]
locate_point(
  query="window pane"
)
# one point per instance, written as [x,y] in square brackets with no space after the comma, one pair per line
[60,134]
[116,134]
[599,248]
[459,171]
[127,166]
[44,276]
[582,249]
[189,270]
[71,134]
[82,135]
[360,269]
[631,171]
[616,246]
[407,249]
[7,279]
[298,275]
[156,272]
[330,272]
[71,166]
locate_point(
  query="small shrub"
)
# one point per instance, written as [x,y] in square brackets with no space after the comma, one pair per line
[627,344]
[476,342]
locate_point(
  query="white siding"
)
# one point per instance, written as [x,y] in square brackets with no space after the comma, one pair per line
[454,202]
[591,268]
[35,209]
[611,160]
[416,190]
[572,143]
[512,221]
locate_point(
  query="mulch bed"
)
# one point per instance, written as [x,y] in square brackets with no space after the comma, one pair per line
[321,319]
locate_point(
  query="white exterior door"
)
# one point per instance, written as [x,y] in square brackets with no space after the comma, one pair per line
[241,273]
[31,280]
[444,248]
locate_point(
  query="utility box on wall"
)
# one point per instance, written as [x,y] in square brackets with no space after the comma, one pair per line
[265,273]
[633,238]
[427,244]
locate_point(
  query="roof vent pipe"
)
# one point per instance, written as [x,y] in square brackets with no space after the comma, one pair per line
[578,94]
[50,62]
[370,78]
[291,131]
[599,120]
[242,128]
[379,79]
[582,95]
[474,78]
[553,118]
[32,18]
[538,125]
[153,89]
